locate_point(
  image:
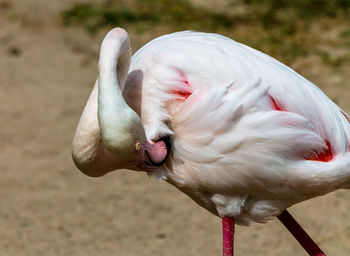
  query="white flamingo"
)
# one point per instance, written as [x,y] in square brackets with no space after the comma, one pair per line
[240,133]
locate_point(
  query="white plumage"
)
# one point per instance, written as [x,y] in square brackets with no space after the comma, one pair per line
[247,132]
[233,153]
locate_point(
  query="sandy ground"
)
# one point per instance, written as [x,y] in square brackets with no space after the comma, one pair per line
[47,207]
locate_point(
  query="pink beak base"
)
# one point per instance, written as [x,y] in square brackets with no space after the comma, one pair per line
[157,151]
[150,155]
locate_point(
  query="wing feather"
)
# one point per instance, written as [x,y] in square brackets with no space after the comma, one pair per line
[231,146]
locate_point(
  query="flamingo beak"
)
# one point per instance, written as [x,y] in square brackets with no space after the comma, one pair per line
[151,155]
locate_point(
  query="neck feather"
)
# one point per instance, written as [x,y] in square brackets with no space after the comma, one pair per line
[120,126]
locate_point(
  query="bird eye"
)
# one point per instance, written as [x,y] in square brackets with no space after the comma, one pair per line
[138,146]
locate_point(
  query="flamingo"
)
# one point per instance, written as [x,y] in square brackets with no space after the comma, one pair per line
[240,133]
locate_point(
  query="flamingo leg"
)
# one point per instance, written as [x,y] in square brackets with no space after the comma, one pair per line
[299,234]
[228,229]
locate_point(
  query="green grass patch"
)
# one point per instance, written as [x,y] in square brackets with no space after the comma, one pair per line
[282,28]
[148,13]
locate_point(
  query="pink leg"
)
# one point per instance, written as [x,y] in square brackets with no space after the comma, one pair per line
[299,234]
[228,229]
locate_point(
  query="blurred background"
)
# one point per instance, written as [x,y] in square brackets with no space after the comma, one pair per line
[48,64]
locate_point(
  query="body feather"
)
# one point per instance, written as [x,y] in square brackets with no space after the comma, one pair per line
[247,131]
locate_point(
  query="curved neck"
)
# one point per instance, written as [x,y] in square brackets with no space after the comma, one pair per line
[115,55]
[120,125]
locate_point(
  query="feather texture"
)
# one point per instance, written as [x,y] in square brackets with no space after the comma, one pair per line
[250,137]
[234,152]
